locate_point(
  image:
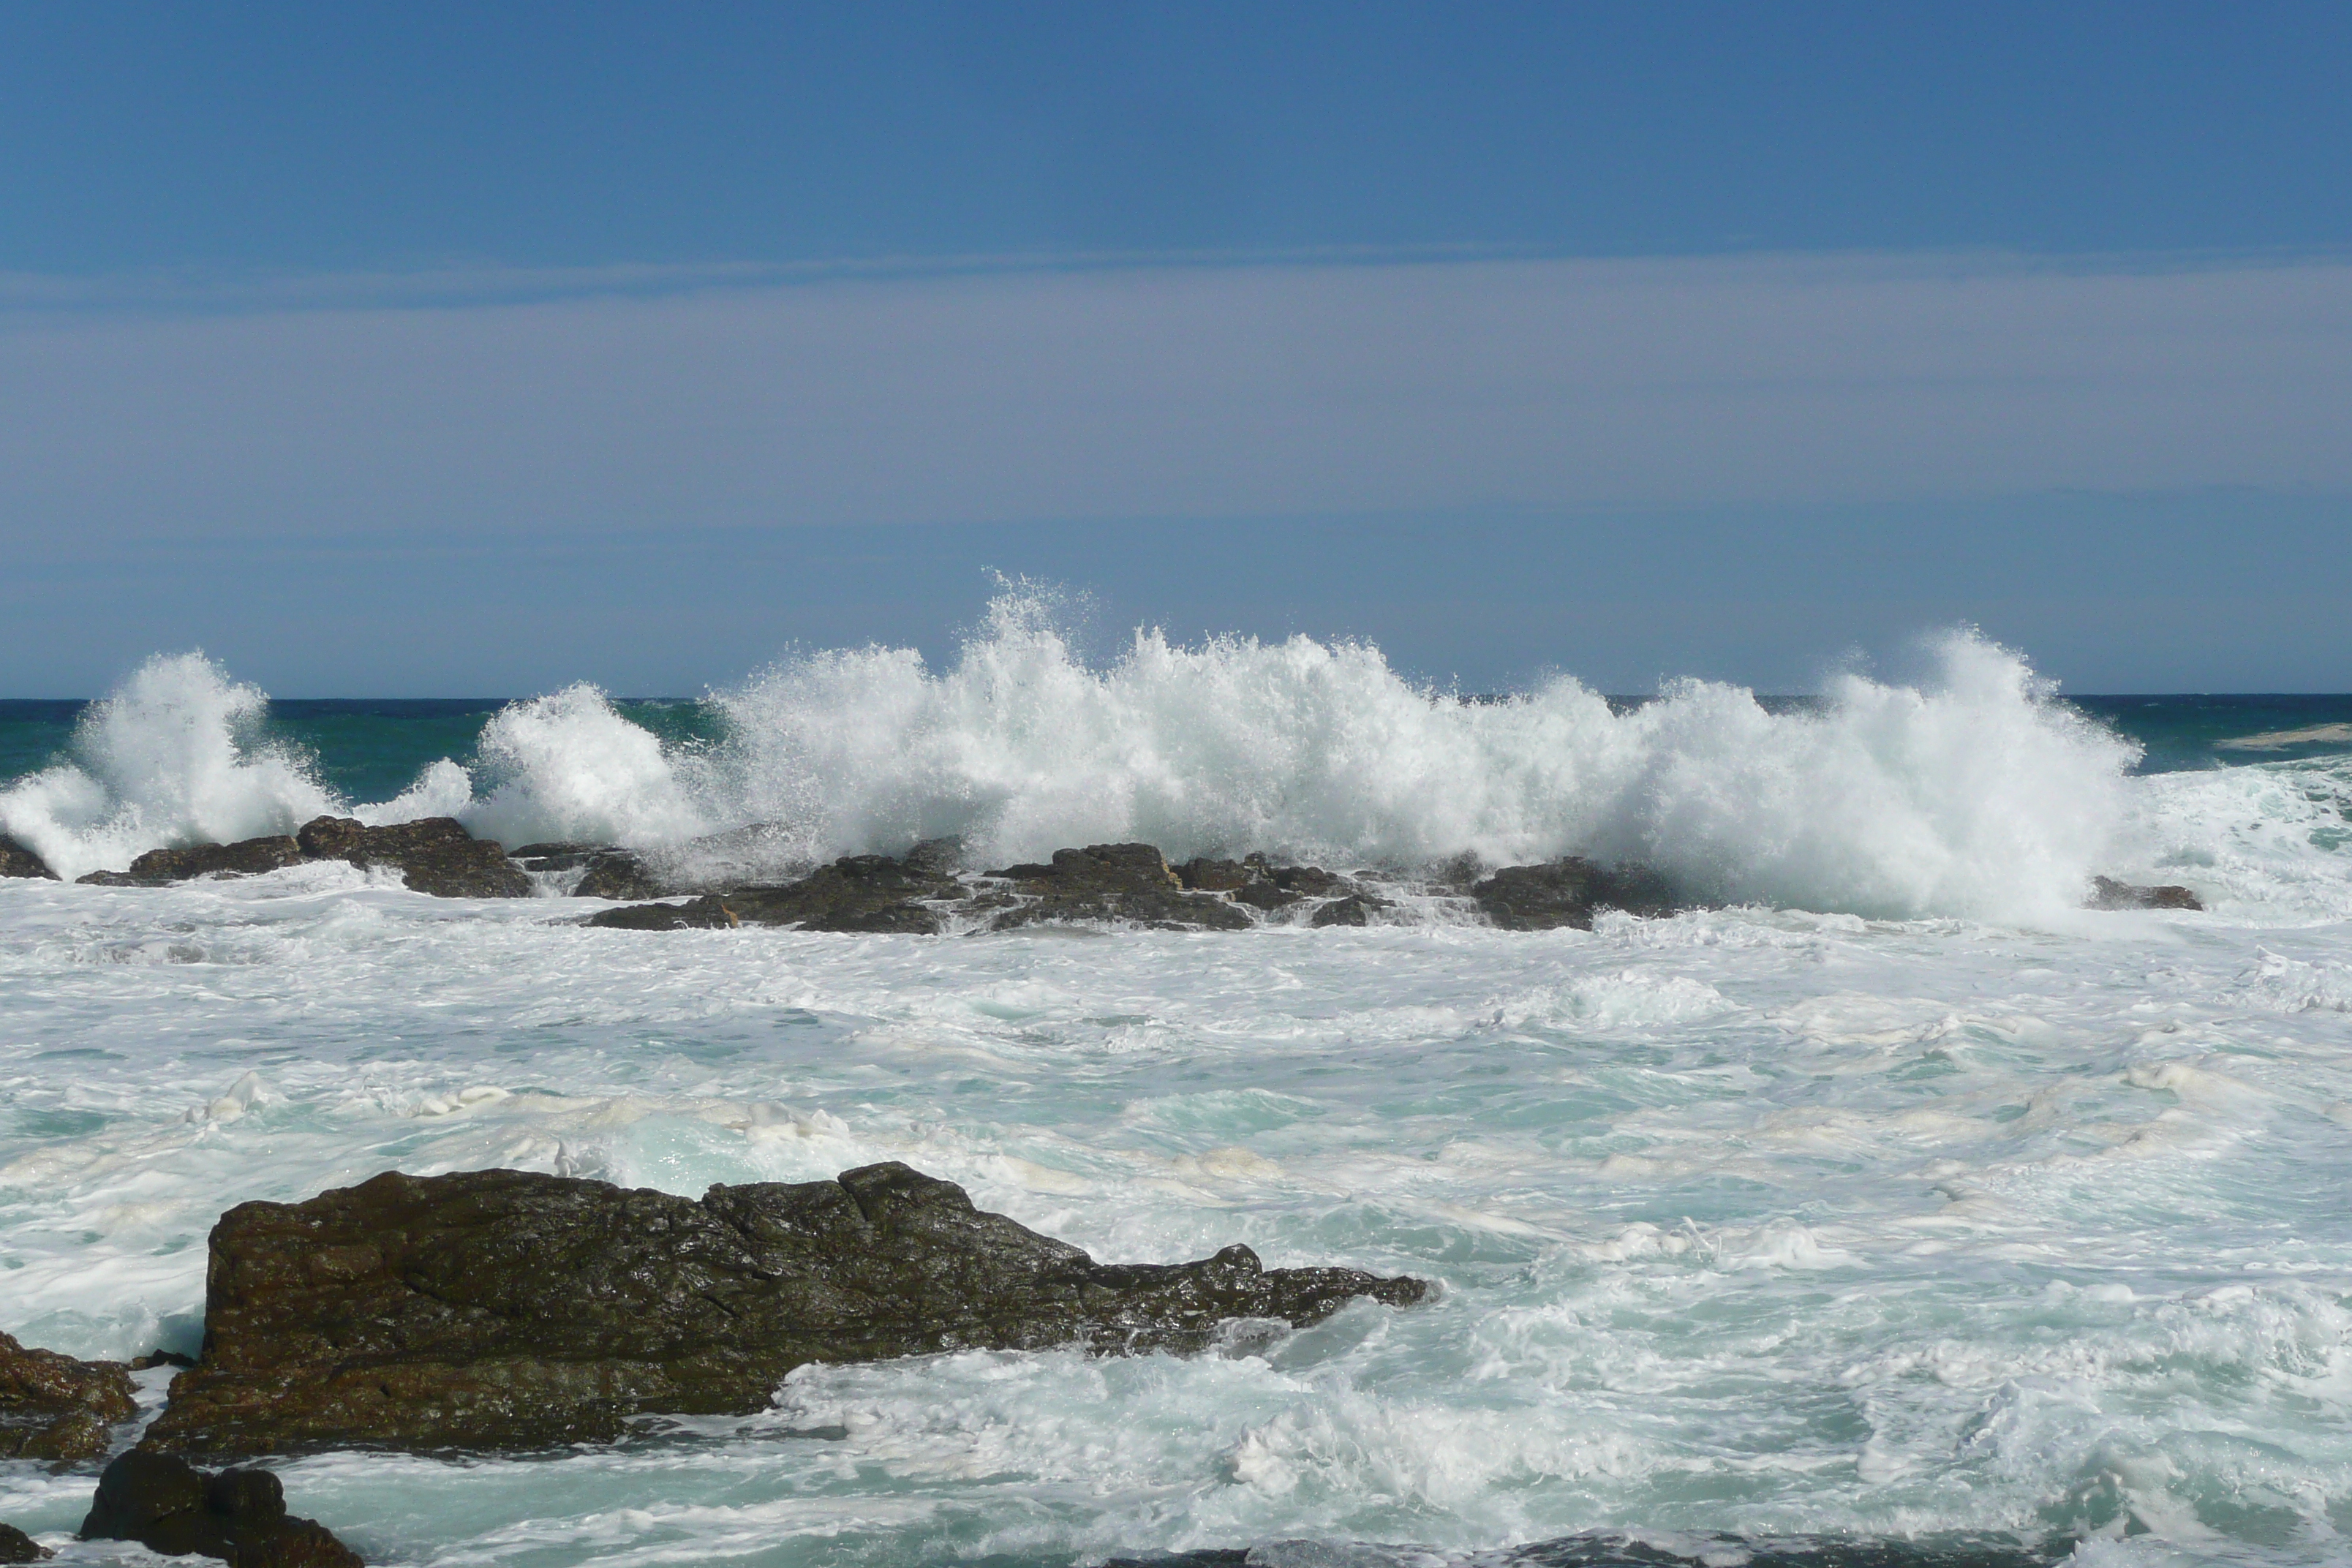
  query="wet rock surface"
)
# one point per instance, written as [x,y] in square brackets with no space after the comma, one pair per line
[501,1309]
[1569,892]
[54,1407]
[2107,893]
[434,855]
[246,858]
[15,1546]
[15,860]
[1112,882]
[855,893]
[237,1515]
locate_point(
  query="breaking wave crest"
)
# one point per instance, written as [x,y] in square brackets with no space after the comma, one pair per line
[1974,793]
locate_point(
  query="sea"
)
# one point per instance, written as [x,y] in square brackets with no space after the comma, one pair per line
[1889,1207]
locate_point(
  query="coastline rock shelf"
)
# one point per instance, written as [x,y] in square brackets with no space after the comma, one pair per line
[499,1309]
[54,1407]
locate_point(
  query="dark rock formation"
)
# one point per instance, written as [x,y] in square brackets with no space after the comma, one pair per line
[855,893]
[169,1506]
[1256,882]
[618,874]
[501,1309]
[54,1407]
[436,855]
[15,860]
[246,858]
[1128,882]
[160,1358]
[15,1546]
[1568,892]
[2109,894]
[1355,909]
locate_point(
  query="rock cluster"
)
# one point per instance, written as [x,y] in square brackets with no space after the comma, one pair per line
[434,855]
[1126,882]
[855,893]
[605,872]
[499,1309]
[1569,892]
[2107,893]
[54,1407]
[15,860]
[168,1506]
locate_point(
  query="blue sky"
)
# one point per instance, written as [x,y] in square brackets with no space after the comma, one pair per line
[473,349]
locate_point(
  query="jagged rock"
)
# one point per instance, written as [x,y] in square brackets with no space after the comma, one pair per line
[15,860]
[1568,892]
[1355,909]
[54,1407]
[855,893]
[246,858]
[15,1546]
[618,874]
[555,857]
[160,1358]
[2107,893]
[1113,882]
[168,1506]
[436,855]
[497,1310]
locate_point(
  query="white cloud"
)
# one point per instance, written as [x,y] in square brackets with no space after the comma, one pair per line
[1171,390]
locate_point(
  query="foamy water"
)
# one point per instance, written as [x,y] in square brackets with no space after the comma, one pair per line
[1920,1203]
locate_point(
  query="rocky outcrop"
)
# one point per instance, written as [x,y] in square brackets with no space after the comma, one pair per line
[502,1310]
[1256,882]
[855,893]
[1569,892]
[168,1506]
[434,855]
[15,1546]
[15,860]
[1129,883]
[1355,909]
[246,858]
[2107,893]
[54,1407]
[606,871]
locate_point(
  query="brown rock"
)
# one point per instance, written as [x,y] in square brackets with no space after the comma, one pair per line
[1567,892]
[54,1407]
[2109,894]
[434,855]
[15,1546]
[1113,882]
[503,1309]
[246,858]
[855,893]
[168,1506]
[15,860]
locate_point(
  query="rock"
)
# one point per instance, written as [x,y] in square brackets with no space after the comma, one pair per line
[15,1546]
[15,860]
[168,1506]
[2109,894]
[618,874]
[1128,882]
[499,1309]
[1568,892]
[160,1358]
[855,893]
[246,858]
[1355,909]
[436,855]
[54,1407]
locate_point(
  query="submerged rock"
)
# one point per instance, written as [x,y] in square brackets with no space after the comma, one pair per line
[168,1506]
[1124,882]
[1569,892]
[54,1407]
[499,1309]
[434,855]
[1355,909]
[246,858]
[15,860]
[618,874]
[15,1546]
[2107,893]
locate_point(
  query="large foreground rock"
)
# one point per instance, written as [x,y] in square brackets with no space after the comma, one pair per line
[501,1309]
[246,858]
[1569,892]
[54,1407]
[15,860]
[434,855]
[15,1546]
[167,1506]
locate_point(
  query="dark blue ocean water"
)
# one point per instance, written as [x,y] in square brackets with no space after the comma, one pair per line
[373,748]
